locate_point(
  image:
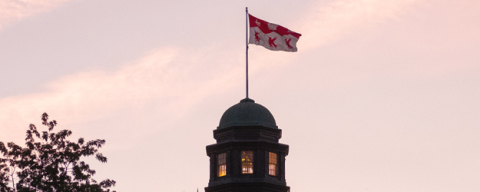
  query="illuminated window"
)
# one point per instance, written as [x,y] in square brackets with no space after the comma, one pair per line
[222,164]
[247,162]
[272,164]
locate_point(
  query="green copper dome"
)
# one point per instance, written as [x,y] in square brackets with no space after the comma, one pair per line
[247,113]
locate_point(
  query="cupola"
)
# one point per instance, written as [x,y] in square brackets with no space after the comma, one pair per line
[247,155]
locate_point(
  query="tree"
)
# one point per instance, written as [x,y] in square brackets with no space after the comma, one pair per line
[51,163]
[8,165]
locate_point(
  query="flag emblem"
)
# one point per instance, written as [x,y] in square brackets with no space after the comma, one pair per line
[272,36]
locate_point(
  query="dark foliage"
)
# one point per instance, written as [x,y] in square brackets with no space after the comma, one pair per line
[50,163]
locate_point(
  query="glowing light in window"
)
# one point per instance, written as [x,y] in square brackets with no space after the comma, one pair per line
[247,162]
[272,164]
[222,164]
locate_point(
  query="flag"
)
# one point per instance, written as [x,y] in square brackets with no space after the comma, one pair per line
[272,36]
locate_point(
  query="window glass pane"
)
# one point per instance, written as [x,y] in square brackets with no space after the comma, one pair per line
[247,162]
[272,164]
[222,164]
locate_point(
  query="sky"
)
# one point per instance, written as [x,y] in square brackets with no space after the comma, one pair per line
[382,95]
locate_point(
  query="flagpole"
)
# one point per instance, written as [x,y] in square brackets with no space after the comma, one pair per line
[246,37]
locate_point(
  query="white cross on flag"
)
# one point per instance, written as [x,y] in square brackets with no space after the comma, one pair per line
[272,36]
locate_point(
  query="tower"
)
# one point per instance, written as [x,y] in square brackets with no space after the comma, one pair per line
[247,156]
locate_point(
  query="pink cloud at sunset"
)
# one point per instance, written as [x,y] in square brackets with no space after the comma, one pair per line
[344,17]
[454,26]
[16,10]
[169,75]
[89,95]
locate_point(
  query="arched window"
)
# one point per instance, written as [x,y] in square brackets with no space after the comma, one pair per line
[272,164]
[247,162]
[222,164]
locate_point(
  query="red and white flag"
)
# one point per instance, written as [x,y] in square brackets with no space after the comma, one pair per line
[272,36]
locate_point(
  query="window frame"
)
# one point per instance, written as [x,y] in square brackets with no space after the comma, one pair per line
[272,161]
[222,164]
[247,162]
